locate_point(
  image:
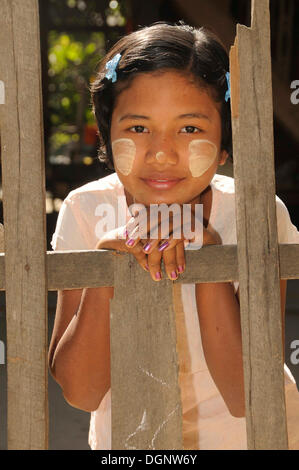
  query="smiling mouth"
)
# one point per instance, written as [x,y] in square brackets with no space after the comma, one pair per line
[162,183]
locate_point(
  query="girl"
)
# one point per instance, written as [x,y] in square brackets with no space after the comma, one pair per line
[161,101]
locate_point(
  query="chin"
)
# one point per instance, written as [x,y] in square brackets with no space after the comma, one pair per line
[163,200]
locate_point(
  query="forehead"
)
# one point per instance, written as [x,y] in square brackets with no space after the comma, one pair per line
[168,90]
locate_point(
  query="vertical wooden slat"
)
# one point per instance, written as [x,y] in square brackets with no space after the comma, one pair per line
[146,403]
[25,225]
[257,232]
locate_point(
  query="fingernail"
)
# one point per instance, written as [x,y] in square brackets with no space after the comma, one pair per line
[147,247]
[147,267]
[180,269]
[163,246]
[158,275]
[173,275]
[130,242]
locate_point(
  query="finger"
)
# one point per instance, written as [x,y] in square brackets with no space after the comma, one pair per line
[132,238]
[168,244]
[150,245]
[129,227]
[160,243]
[154,264]
[141,257]
[170,263]
[180,257]
[139,226]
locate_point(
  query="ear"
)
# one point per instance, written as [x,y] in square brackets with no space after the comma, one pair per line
[223,157]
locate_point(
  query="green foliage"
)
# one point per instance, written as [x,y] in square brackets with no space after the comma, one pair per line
[73,60]
[72,63]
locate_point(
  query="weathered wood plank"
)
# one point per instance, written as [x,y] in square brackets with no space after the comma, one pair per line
[146,402]
[25,224]
[258,257]
[80,269]
[96,267]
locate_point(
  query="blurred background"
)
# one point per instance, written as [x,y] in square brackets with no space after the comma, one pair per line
[75,35]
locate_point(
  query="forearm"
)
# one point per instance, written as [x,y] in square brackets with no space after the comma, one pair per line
[219,318]
[81,362]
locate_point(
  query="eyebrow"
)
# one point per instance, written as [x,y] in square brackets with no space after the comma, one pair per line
[194,115]
[132,116]
[182,116]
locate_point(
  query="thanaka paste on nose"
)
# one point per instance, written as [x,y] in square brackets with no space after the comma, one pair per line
[124,152]
[202,155]
[160,156]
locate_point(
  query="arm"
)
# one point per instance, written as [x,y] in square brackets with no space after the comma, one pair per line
[220,326]
[79,354]
[219,317]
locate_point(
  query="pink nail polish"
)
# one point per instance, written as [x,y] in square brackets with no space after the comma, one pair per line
[173,275]
[180,269]
[158,275]
[147,247]
[163,246]
[130,242]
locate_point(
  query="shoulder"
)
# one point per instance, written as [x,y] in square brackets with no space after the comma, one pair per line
[222,217]
[224,191]
[78,214]
[287,232]
[223,184]
[223,188]
[107,187]
[281,210]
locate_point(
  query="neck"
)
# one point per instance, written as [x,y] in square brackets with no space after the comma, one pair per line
[199,199]
[202,198]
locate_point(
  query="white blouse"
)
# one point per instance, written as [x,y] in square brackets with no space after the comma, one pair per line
[207,423]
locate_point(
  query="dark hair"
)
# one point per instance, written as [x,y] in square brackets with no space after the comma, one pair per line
[158,47]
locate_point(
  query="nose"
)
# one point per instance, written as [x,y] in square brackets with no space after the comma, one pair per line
[161,152]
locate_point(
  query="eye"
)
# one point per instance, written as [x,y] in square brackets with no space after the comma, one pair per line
[139,129]
[190,130]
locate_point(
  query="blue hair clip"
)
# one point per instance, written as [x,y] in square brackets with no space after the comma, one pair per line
[227,94]
[111,67]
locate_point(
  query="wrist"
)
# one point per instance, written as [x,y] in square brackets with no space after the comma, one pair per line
[112,240]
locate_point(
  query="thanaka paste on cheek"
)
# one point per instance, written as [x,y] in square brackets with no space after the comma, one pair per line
[124,153]
[202,155]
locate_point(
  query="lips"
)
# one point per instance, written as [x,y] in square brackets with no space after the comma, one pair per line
[162,181]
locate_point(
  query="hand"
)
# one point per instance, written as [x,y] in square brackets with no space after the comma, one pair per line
[116,240]
[150,251]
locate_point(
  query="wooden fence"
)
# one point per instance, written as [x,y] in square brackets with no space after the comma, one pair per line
[28,271]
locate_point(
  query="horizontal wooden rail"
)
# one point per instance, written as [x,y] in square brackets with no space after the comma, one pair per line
[94,268]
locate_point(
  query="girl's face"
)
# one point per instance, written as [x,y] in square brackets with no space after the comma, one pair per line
[166,136]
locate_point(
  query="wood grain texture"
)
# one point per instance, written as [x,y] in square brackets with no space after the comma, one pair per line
[258,254]
[146,402]
[89,268]
[23,174]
